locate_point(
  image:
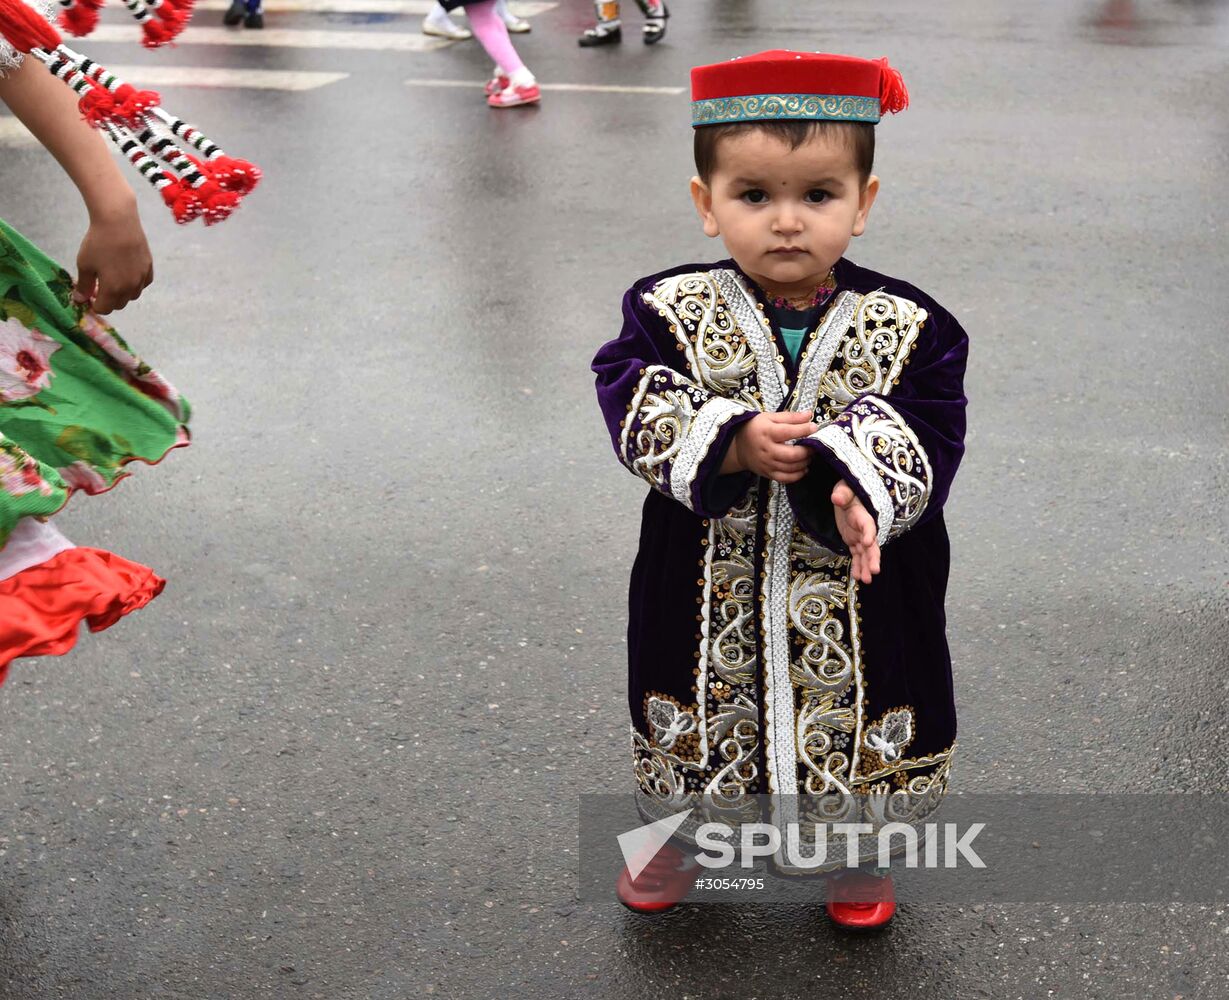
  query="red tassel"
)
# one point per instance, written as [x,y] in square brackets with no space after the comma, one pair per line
[169,15]
[25,29]
[893,96]
[219,205]
[98,106]
[155,32]
[79,20]
[233,174]
[179,11]
[184,203]
[132,103]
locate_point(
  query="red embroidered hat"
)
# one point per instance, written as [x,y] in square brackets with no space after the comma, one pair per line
[795,86]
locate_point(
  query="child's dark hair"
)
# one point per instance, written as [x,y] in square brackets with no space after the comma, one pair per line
[860,136]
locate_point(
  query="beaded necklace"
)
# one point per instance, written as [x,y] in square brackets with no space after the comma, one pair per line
[821,295]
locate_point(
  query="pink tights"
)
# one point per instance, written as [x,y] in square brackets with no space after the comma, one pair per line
[493,34]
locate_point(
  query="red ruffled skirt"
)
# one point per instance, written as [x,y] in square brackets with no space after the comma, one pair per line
[43,607]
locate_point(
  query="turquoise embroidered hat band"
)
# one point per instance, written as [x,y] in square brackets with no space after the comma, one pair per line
[786,107]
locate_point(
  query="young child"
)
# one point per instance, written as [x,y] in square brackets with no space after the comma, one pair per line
[77,406]
[609,27]
[799,420]
[511,85]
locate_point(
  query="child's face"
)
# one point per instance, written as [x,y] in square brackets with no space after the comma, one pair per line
[785,215]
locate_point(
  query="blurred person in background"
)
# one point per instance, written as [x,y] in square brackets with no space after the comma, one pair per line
[511,84]
[609,29]
[250,12]
[438,23]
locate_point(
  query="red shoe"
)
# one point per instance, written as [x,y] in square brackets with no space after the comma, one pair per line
[662,883]
[497,83]
[858,901]
[511,97]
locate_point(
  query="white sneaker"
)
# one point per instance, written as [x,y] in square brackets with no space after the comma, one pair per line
[517,25]
[445,27]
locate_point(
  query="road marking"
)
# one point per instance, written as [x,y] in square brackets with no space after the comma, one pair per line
[290,38]
[604,88]
[408,7]
[215,76]
[593,88]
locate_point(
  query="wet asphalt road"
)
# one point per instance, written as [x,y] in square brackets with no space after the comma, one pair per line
[341,755]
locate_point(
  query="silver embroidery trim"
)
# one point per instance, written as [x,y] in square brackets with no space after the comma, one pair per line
[768,370]
[907,337]
[855,639]
[668,722]
[667,311]
[706,644]
[863,469]
[780,753]
[865,372]
[709,419]
[879,738]
[913,804]
[822,349]
[656,774]
[637,398]
[909,765]
[719,366]
[907,432]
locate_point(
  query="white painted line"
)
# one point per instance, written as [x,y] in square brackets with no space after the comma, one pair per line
[408,7]
[290,38]
[215,76]
[13,133]
[593,88]
[602,88]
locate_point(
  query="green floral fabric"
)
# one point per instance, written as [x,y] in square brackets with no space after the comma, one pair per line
[76,405]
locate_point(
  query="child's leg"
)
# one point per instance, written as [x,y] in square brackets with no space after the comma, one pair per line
[31,542]
[609,28]
[493,34]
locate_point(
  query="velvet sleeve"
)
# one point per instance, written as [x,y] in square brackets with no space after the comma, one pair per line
[665,427]
[898,452]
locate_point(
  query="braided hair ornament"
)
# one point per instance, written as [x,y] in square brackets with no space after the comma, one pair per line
[202,183]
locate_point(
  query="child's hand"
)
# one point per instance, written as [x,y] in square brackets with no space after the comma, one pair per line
[858,530]
[760,446]
[114,264]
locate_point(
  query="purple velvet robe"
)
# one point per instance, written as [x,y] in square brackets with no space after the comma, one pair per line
[757,663]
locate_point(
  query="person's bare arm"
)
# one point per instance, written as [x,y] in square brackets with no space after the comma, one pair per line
[114,262]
